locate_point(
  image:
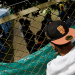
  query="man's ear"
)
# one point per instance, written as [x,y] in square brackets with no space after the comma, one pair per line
[52,45]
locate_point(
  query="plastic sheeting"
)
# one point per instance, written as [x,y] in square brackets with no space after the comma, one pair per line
[34,64]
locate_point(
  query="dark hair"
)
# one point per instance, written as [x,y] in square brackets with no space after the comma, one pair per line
[61,46]
[26,22]
[21,20]
[62,8]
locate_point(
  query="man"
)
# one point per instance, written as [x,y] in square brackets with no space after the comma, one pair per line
[27,34]
[60,36]
[46,11]
[42,41]
[63,15]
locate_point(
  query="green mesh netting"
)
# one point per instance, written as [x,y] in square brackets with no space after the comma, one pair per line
[34,64]
[30,65]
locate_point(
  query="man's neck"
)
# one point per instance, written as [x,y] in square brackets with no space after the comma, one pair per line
[65,50]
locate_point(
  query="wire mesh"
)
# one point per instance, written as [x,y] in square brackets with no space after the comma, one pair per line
[16,59]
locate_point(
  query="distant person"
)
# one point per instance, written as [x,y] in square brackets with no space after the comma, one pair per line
[28,35]
[46,11]
[48,17]
[60,5]
[63,15]
[40,36]
[42,41]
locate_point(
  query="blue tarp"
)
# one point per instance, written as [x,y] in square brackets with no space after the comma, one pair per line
[4,12]
[5,26]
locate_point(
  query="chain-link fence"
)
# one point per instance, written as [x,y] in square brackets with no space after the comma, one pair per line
[24,49]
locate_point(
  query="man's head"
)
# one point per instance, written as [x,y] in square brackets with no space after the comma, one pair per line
[59,34]
[21,21]
[27,22]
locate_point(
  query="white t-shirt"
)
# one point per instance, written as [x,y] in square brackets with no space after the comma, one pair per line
[62,65]
[21,31]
